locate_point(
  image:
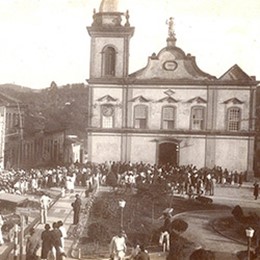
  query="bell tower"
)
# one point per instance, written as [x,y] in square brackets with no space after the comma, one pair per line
[110,35]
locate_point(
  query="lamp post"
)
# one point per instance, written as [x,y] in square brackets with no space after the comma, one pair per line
[249,233]
[122,205]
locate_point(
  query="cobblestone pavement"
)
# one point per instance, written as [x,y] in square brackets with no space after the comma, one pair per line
[199,230]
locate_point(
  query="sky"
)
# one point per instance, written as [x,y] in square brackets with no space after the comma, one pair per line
[46,40]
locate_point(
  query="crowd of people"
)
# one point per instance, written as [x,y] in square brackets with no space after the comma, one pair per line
[186,179]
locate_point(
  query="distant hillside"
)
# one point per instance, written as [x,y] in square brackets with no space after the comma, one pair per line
[12,87]
[53,108]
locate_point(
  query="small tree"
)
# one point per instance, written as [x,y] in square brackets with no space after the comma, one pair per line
[155,192]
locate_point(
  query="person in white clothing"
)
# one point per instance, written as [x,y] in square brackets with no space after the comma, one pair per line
[1,235]
[45,202]
[63,233]
[118,246]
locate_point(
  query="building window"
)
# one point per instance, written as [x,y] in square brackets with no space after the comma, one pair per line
[168,117]
[140,117]
[197,118]
[109,61]
[107,116]
[233,119]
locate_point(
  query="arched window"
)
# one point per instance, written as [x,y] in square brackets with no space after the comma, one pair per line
[198,118]
[168,117]
[140,117]
[233,119]
[109,61]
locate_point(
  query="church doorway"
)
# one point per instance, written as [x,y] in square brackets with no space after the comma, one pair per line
[168,153]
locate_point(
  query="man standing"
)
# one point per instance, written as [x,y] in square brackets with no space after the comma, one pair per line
[1,235]
[76,205]
[166,230]
[256,190]
[118,246]
[56,241]
[45,202]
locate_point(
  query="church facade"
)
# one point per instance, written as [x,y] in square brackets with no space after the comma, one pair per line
[170,111]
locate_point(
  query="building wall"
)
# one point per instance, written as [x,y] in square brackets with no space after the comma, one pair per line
[232,153]
[104,147]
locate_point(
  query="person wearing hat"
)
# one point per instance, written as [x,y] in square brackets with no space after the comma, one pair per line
[166,229]
[118,246]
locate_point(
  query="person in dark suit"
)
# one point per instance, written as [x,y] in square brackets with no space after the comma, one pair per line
[256,190]
[76,205]
[46,242]
[56,240]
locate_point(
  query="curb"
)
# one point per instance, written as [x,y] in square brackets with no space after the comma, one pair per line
[224,235]
[75,251]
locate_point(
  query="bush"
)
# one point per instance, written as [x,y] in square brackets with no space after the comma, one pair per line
[98,232]
[204,200]
[238,213]
[202,254]
[179,225]
[105,209]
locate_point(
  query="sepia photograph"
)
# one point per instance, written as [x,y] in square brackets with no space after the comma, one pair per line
[129,129]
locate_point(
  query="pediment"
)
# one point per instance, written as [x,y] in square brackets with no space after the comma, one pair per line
[234,101]
[168,99]
[171,63]
[107,98]
[198,100]
[235,73]
[140,99]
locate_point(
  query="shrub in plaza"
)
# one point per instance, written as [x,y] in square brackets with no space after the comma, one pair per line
[204,200]
[105,208]
[178,247]
[202,254]
[97,232]
[252,219]
[238,213]
[179,225]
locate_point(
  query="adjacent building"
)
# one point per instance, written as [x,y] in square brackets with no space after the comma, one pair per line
[170,111]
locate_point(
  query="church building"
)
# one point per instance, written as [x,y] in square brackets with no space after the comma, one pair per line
[170,111]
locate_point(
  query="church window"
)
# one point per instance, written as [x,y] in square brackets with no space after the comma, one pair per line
[107,115]
[233,119]
[168,117]
[197,118]
[109,61]
[140,117]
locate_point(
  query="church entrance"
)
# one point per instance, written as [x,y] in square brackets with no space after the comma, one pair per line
[168,153]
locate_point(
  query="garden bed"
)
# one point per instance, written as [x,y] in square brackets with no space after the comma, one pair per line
[141,221]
